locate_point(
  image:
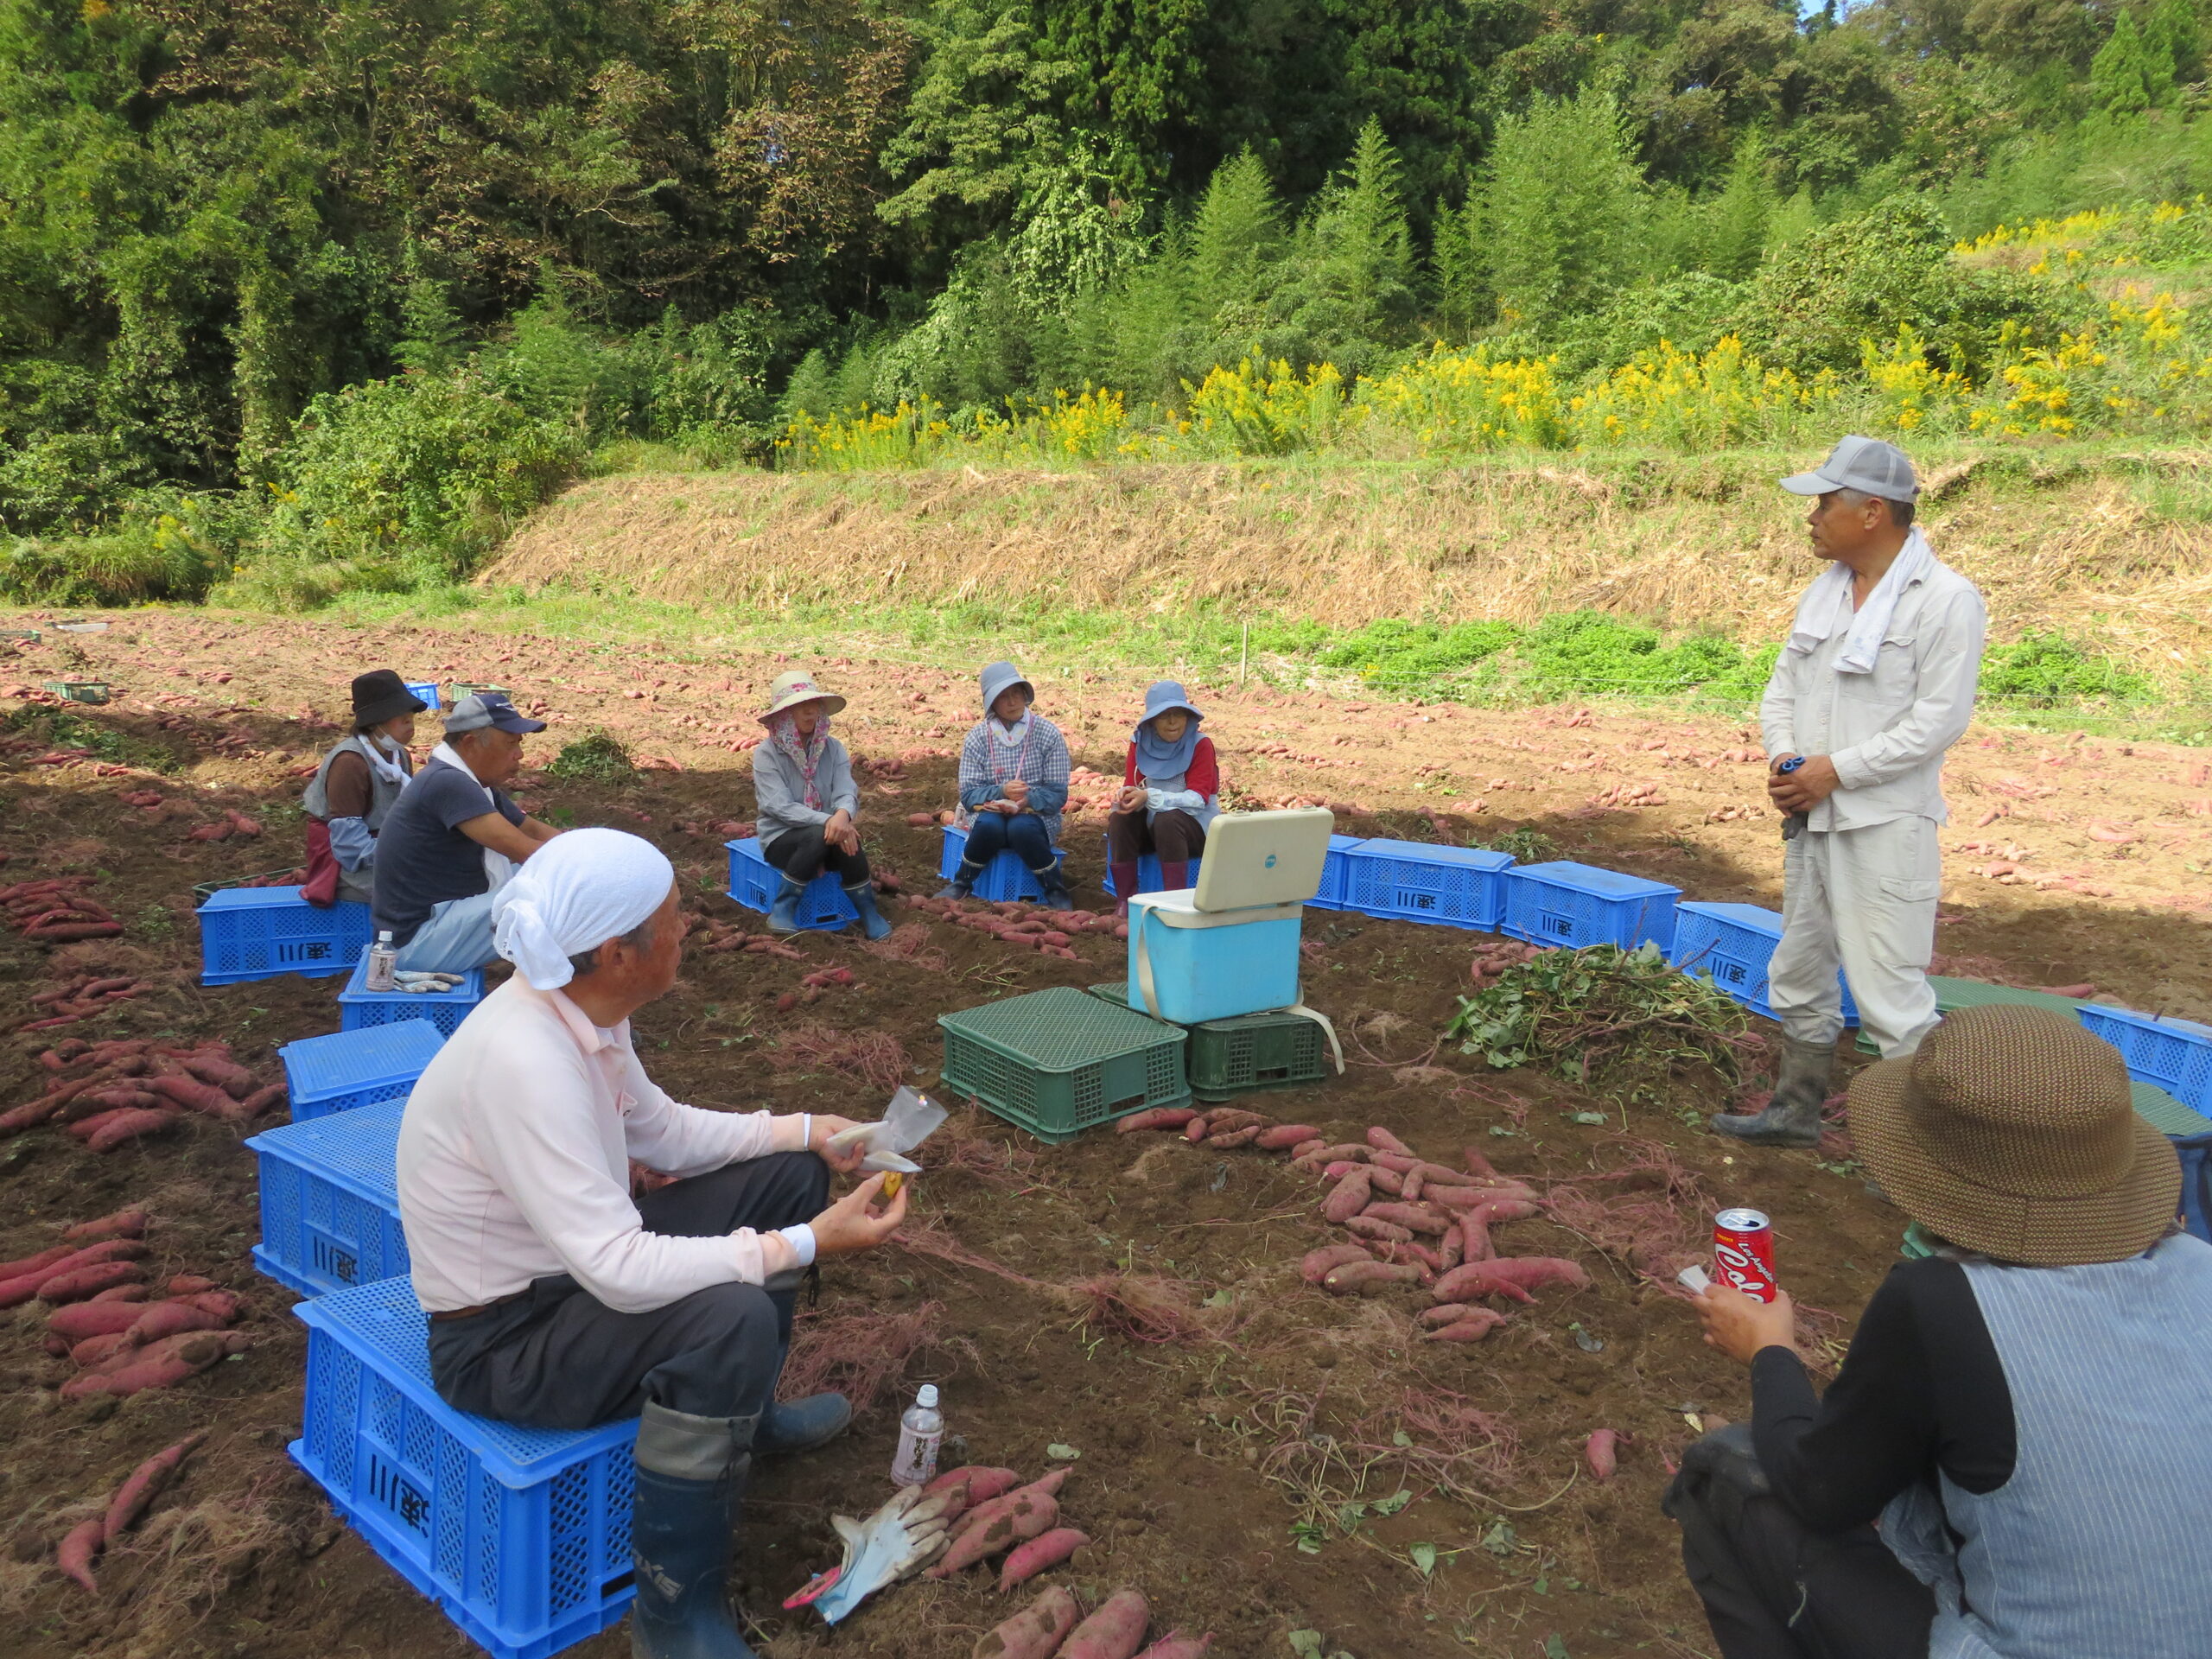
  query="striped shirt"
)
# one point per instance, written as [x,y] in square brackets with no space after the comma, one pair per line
[986,764]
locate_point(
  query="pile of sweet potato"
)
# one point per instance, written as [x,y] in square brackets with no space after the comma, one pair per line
[83,996]
[994,1514]
[108,1093]
[1023,925]
[1052,1627]
[88,1538]
[56,911]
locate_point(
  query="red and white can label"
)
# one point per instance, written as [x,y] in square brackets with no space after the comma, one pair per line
[1743,1252]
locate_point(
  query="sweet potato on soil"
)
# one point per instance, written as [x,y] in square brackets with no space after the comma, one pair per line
[1411,1218]
[225,1305]
[23,1265]
[75,1555]
[262,1100]
[79,1283]
[1368,1278]
[1601,1452]
[124,1293]
[144,1485]
[1046,1549]
[1451,1250]
[1300,1152]
[1382,1140]
[1317,1265]
[1496,1210]
[172,1318]
[82,1319]
[1467,1197]
[1278,1138]
[1347,1199]
[1406,1255]
[1176,1645]
[200,1096]
[996,1525]
[98,1351]
[1473,1233]
[1115,1632]
[129,1126]
[1036,1632]
[1473,1328]
[158,1365]
[976,1482]
[1242,1137]
[1369,1227]
[219,1073]
[124,1224]
[1478,1164]
[1156,1117]
[188,1284]
[1448,1313]
[1195,1130]
[1511,1276]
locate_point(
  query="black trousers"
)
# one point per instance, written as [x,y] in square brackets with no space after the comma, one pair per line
[558,1357]
[805,854]
[1176,836]
[1775,1589]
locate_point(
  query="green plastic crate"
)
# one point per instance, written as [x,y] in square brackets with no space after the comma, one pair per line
[78,690]
[1253,1051]
[1058,1062]
[1952,995]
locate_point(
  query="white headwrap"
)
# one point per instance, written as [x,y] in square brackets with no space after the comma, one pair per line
[578,890]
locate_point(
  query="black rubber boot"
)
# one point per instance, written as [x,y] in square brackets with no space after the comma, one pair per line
[1054,894]
[962,884]
[691,1476]
[1792,1117]
[783,915]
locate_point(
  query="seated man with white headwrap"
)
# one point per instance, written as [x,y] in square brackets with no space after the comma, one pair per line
[554,1298]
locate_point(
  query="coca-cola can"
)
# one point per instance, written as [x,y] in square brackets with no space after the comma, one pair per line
[1743,1252]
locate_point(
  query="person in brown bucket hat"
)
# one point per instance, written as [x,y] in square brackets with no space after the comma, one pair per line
[2027,1412]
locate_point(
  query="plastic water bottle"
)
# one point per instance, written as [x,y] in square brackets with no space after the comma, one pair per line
[921,1431]
[383,960]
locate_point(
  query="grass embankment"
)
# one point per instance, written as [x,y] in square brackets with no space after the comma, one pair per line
[1505,580]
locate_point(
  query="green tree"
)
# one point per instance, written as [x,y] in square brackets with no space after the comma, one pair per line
[1558,207]
[1352,297]
[2130,73]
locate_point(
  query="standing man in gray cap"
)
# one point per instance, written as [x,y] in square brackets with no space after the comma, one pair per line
[1876,681]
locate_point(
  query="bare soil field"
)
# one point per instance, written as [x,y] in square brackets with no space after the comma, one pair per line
[1257,1457]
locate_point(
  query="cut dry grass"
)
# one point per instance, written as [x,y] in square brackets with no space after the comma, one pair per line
[2070,540]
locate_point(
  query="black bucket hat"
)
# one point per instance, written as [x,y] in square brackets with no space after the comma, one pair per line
[381,694]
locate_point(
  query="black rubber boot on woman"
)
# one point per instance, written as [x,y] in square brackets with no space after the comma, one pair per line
[691,1476]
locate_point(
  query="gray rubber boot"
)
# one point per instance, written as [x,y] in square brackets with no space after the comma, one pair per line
[691,1476]
[1792,1117]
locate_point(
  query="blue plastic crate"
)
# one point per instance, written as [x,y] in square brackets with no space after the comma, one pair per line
[359,1008]
[1004,878]
[753,882]
[1732,945]
[1333,871]
[426,689]
[1148,876]
[1416,881]
[521,1535]
[350,1069]
[262,932]
[1578,905]
[2174,1054]
[330,1200]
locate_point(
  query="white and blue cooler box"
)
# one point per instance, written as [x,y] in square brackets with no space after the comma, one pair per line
[1228,946]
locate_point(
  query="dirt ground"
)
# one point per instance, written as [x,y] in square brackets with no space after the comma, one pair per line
[1221,1470]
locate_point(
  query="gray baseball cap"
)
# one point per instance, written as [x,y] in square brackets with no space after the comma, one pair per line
[488,708]
[1866,465]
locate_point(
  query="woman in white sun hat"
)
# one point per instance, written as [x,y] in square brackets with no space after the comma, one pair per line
[808,805]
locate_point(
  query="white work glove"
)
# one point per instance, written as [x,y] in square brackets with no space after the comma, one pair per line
[1172,800]
[898,1541]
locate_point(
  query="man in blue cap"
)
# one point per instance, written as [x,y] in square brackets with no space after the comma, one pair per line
[453,838]
[1876,682]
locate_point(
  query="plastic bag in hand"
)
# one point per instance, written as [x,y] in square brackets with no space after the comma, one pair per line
[910,1119]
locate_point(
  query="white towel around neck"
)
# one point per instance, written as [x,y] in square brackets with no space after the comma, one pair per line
[499,868]
[1827,603]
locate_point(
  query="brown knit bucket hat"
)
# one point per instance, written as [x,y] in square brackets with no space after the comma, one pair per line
[2013,1132]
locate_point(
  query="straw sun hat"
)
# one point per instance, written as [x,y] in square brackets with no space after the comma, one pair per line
[797,687]
[2013,1132]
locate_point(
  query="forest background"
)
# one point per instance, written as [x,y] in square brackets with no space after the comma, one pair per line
[305,298]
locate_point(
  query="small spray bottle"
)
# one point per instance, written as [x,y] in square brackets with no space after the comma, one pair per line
[383,960]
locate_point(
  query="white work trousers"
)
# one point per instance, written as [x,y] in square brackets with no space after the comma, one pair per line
[1862,900]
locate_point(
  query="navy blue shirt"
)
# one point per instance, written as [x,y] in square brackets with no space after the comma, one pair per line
[422,859]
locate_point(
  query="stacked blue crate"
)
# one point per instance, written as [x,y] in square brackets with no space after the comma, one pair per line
[330,1200]
[348,1069]
[358,1007]
[520,1536]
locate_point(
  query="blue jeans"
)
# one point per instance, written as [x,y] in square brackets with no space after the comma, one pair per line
[992,832]
[457,937]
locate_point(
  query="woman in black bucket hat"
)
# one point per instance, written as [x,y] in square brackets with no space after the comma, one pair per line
[355,787]
[2027,1414]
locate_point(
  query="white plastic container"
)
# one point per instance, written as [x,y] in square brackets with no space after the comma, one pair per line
[382,961]
[921,1431]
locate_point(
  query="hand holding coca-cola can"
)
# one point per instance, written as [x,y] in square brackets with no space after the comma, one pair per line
[1743,1252]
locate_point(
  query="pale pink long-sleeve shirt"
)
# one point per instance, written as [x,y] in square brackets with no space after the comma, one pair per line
[514,1164]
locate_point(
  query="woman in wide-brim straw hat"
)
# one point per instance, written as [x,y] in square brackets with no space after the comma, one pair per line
[808,806]
[2028,1410]
[1013,786]
[1171,793]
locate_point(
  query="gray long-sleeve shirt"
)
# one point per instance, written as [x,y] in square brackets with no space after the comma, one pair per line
[1886,731]
[780,789]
